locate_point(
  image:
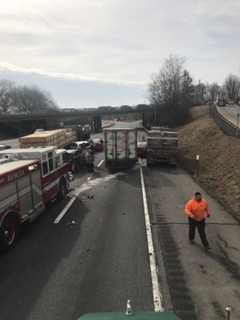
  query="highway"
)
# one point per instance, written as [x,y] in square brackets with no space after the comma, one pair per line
[230,112]
[15,144]
[198,284]
[96,256]
[94,259]
[105,124]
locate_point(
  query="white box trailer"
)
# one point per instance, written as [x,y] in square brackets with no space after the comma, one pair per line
[120,147]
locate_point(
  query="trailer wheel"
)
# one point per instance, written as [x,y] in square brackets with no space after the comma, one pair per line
[62,189]
[8,231]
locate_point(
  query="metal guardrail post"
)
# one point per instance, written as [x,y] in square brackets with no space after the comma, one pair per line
[228,311]
[237,128]
[197,166]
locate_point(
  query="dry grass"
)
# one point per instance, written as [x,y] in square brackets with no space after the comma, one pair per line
[219,160]
[199,111]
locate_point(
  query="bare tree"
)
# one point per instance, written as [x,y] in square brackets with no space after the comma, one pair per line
[200,93]
[171,90]
[232,87]
[126,108]
[7,96]
[187,90]
[213,91]
[155,95]
[33,100]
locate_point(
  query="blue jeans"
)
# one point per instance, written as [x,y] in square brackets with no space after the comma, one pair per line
[200,225]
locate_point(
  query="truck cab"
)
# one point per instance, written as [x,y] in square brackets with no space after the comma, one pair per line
[54,168]
[21,197]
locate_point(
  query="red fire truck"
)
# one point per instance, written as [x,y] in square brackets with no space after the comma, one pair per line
[29,180]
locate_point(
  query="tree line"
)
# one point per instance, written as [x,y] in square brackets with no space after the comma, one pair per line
[16,99]
[172,92]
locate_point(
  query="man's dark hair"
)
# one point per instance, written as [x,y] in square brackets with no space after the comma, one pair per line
[197,194]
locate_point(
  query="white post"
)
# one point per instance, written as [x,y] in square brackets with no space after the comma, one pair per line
[237,131]
[228,310]
[197,165]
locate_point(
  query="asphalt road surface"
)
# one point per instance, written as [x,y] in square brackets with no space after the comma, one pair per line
[195,283]
[96,257]
[93,260]
[230,112]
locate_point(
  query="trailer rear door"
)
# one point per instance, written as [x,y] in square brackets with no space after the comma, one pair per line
[110,145]
[121,142]
[132,144]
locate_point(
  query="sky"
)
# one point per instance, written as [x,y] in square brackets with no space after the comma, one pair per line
[104,52]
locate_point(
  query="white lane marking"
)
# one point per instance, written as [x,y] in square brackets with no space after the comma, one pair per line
[100,163]
[65,210]
[84,187]
[94,182]
[157,296]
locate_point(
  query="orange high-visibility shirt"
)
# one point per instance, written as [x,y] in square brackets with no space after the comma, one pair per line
[197,210]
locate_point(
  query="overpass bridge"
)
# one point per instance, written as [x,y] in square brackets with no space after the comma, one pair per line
[23,124]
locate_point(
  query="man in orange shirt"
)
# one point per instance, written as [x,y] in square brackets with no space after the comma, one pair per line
[197,212]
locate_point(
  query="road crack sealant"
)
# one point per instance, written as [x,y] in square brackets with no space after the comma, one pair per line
[180,294]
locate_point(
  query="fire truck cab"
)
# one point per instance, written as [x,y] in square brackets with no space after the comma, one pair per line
[54,168]
[21,197]
[29,179]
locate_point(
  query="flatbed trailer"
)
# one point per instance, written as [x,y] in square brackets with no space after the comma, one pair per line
[162,146]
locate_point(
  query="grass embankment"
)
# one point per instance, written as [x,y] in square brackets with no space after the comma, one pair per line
[219,165]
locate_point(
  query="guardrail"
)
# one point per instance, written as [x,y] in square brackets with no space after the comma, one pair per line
[228,127]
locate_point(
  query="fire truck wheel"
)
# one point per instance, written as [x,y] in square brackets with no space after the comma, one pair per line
[62,189]
[8,231]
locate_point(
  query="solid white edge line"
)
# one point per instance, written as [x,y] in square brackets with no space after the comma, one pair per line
[157,296]
[100,163]
[65,210]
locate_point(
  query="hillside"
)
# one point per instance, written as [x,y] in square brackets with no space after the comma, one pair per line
[219,165]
